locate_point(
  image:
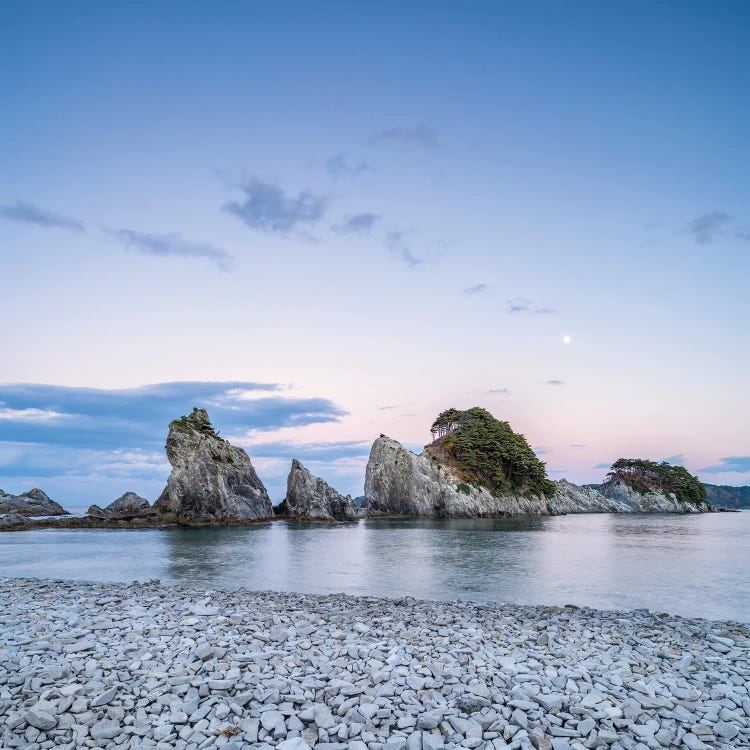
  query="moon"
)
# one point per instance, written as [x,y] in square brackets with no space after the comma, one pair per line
[566,339]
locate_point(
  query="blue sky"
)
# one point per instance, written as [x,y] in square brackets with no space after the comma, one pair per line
[374,212]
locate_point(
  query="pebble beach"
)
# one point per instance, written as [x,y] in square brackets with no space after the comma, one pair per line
[141,665]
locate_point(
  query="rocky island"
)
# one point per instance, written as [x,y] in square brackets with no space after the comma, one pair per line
[211,479]
[32,503]
[476,466]
[313,499]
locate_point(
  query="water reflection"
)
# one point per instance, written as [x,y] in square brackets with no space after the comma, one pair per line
[686,564]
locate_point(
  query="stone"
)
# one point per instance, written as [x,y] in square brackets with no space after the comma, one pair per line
[32,503]
[41,720]
[295,668]
[211,480]
[128,504]
[311,497]
[103,698]
[105,730]
[294,743]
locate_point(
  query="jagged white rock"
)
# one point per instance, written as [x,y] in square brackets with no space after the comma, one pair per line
[308,496]
[211,479]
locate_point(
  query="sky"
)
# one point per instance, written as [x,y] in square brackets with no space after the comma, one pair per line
[323,222]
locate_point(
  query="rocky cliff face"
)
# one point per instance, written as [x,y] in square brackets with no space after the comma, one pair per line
[129,504]
[211,479]
[654,501]
[32,503]
[399,482]
[570,498]
[308,496]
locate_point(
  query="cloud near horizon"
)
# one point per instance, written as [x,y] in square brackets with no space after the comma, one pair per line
[30,214]
[74,433]
[152,243]
[729,465]
[269,209]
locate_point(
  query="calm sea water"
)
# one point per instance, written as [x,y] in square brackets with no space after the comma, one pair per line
[691,565]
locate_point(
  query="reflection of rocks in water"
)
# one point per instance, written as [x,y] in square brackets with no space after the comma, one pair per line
[213,553]
[671,527]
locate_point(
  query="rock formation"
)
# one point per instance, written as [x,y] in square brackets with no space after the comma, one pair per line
[13,521]
[652,501]
[32,503]
[211,479]
[570,498]
[129,504]
[311,497]
[399,482]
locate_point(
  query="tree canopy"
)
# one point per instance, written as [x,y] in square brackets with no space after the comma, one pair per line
[489,453]
[644,475]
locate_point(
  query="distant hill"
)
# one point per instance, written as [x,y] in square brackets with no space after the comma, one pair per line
[723,496]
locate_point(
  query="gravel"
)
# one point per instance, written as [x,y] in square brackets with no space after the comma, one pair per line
[91,665]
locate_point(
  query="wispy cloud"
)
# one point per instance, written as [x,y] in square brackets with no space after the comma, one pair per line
[269,209]
[578,446]
[602,466]
[152,243]
[26,212]
[730,464]
[389,407]
[395,242]
[523,305]
[30,415]
[421,135]
[357,224]
[341,165]
[709,226]
[540,450]
[518,305]
[497,391]
[470,291]
[555,382]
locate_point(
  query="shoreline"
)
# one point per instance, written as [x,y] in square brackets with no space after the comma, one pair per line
[190,667]
[70,521]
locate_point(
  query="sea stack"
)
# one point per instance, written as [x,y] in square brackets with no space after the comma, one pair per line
[650,487]
[211,479]
[311,497]
[35,502]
